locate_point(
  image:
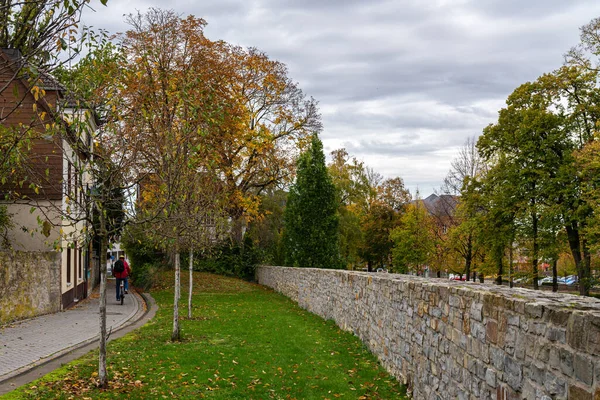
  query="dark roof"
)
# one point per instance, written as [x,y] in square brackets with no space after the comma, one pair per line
[441,205]
[46,80]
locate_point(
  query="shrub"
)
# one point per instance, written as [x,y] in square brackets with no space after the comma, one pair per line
[229,259]
[144,257]
[143,276]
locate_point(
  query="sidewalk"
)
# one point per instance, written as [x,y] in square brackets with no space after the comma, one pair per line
[34,342]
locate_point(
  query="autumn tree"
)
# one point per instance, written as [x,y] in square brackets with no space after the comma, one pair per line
[368,208]
[172,98]
[267,230]
[530,139]
[376,225]
[386,205]
[467,165]
[311,220]
[354,190]
[414,239]
[493,213]
[267,120]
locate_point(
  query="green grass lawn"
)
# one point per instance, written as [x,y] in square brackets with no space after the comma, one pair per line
[243,342]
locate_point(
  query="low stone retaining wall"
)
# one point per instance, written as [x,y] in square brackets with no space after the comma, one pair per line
[29,284]
[458,340]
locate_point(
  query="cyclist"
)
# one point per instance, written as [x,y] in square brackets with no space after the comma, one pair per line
[121,271]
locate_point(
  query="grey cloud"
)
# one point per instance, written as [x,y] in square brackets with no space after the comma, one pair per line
[441,67]
[525,9]
[397,148]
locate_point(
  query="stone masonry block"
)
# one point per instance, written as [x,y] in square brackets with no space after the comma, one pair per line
[514,373]
[566,361]
[477,311]
[454,301]
[577,334]
[583,368]
[519,306]
[490,378]
[491,331]
[513,320]
[593,327]
[534,310]
[557,317]
[577,392]
[535,373]
[555,385]
[489,309]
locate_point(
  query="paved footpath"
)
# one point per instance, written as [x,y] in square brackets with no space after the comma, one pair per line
[27,345]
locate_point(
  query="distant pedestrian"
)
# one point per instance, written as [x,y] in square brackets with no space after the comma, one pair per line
[121,271]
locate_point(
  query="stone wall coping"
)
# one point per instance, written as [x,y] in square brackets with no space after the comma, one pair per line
[550,300]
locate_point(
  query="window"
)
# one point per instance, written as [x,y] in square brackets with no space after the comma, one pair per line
[68,265]
[75,186]
[80,264]
[69,173]
[75,265]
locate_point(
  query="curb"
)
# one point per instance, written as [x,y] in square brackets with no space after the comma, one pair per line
[37,369]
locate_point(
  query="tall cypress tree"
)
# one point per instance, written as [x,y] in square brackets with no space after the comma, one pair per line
[311,220]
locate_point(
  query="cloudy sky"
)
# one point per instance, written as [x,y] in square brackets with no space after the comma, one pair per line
[401,83]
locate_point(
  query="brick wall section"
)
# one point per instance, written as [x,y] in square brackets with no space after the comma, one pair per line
[29,284]
[457,340]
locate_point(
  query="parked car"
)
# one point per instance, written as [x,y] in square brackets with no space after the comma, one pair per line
[562,280]
[457,277]
[547,280]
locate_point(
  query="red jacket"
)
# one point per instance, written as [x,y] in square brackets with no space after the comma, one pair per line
[125,272]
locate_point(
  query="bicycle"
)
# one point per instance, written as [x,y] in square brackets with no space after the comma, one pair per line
[122,291]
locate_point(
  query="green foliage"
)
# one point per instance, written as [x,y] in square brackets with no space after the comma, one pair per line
[414,240]
[44,31]
[311,218]
[144,257]
[377,226]
[267,232]
[229,259]
[144,276]
[140,248]
[354,192]
[90,80]
[5,224]
[351,236]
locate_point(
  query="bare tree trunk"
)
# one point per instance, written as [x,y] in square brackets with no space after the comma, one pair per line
[585,283]
[534,261]
[237,229]
[510,265]
[555,275]
[191,288]
[575,244]
[469,255]
[498,257]
[102,375]
[175,336]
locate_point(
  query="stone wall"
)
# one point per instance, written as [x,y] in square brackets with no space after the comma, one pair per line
[29,284]
[457,340]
